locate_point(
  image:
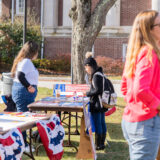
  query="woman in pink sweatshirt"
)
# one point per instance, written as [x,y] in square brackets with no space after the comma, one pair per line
[141,87]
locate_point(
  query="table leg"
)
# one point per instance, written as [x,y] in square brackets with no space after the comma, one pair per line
[69,144]
[85,148]
[30,146]
[76,131]
[69,130]
[37,148]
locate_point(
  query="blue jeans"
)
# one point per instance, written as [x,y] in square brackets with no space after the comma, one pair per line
[143,138]
[22,98]
[99,122]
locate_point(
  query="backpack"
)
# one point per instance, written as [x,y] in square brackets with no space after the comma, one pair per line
[108,99]
[11,106]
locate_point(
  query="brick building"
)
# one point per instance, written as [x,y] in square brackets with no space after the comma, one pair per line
[56,24]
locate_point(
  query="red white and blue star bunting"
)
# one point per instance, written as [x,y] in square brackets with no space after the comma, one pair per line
[11,145]
[52,135]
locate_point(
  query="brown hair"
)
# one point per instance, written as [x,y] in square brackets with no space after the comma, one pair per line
[140,36]
[29,50]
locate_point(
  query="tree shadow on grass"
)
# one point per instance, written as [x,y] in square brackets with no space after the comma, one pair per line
[69,152]
[116,151]
[74,143]
[114,131]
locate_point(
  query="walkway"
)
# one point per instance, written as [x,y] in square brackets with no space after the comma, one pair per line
[48,82]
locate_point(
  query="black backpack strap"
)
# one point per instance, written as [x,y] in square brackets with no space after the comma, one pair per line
[99,96]
[110,85]
[100,74]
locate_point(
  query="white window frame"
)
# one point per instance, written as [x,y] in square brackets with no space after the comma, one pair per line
[18,9]
[124,51]
[0,7]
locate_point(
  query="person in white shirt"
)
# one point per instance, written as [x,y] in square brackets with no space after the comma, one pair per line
[24,89]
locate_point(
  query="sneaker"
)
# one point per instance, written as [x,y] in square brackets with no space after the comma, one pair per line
[27,149]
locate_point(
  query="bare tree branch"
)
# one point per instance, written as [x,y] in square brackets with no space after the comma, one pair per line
[80,11]
[98,16]
[86,26]
[84,12]
[73,11]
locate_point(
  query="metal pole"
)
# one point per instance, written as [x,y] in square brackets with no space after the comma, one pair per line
[25,21]
[71,55]
[12,11]
[42,43]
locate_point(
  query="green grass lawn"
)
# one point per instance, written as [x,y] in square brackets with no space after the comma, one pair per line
[114,77]
[118,149]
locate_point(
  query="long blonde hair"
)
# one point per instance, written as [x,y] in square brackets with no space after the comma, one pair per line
[29,50]
[140,36]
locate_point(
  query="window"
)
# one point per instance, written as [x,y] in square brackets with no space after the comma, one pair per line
[124,51]
[20,7]
[0,7]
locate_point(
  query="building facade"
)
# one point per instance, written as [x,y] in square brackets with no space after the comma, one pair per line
[57,26]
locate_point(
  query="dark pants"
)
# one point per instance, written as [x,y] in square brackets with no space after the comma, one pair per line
[99,122]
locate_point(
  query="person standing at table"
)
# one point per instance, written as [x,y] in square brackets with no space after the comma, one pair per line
[24,89]
[96,110]
[141,87]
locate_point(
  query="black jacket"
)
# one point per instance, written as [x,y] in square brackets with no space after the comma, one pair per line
[95,91]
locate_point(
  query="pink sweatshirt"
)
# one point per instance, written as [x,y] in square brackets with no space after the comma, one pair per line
[142,91]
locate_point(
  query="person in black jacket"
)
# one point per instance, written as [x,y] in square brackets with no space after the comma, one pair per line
[96,109]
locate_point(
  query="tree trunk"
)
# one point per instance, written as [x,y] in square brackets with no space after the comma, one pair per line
[85,28]
[79,48]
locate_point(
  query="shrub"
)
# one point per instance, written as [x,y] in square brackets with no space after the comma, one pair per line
[11,39]
[60,64]
[36,63]
[110,66]
[63,62]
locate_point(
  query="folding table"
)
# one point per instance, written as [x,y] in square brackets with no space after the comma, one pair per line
[68,104]
[21,120]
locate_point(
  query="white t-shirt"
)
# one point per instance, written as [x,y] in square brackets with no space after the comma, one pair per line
[31,73]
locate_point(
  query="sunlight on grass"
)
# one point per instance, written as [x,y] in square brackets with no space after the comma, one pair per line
[114,77]
[44,92]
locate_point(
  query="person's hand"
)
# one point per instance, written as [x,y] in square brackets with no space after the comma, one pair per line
[84,94]
[31,89]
